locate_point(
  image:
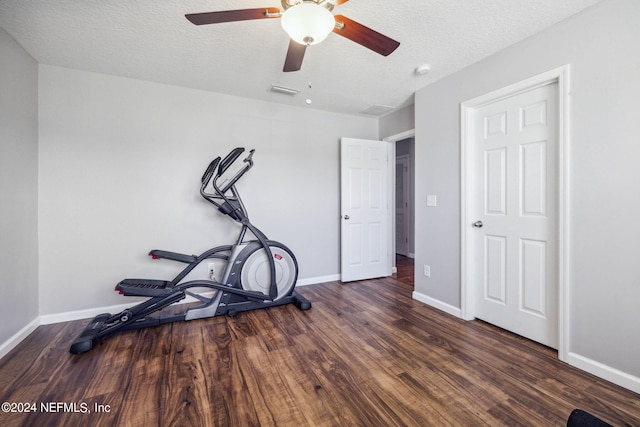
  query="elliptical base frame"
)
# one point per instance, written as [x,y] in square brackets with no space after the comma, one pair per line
[230,296]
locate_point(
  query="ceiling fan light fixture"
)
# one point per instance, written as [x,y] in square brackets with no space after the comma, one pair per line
[308,23]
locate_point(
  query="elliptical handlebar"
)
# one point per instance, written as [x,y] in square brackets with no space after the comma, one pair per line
[238,174]
[229,159]
[206,177]
[222,166]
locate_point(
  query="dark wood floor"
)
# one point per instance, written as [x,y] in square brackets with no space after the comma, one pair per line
[366,354]
[405,268]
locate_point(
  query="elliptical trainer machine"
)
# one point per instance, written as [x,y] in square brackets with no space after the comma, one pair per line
[259,273]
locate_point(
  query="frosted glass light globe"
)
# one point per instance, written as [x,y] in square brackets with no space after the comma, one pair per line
[308,23]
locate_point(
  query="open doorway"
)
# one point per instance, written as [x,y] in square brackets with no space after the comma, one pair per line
[404,197]
[402,227]
[404,210]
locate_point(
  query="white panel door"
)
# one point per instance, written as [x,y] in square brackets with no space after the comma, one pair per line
[364,209]
[515,228]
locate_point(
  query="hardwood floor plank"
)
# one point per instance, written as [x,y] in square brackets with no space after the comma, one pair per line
[436,393]
[366,354]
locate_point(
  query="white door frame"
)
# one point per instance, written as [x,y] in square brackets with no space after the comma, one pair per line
[411,133]
[561,77]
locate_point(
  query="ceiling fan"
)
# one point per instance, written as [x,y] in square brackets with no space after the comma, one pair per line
[307,22]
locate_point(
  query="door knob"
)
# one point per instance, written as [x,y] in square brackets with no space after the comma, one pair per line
[346,217]
[477,224]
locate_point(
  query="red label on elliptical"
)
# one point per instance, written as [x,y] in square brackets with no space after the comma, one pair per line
[277,256]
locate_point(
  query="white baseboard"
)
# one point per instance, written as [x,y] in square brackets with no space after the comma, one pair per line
[608,373]
[454,311]
[408,255]
[88,313]
[18,337]
[68,316]
[320,279]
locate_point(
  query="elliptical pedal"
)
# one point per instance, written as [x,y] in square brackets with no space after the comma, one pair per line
[144,287]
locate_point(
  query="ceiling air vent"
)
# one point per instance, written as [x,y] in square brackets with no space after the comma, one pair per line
[284,90]
[377,110]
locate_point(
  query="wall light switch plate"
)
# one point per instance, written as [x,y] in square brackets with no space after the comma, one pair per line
[432,200]
[427,271]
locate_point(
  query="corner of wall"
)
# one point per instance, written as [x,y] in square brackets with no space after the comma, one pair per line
[19,192]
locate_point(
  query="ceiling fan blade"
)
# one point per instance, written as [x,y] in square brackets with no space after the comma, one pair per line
[295,54]
[364,36]
[233,15]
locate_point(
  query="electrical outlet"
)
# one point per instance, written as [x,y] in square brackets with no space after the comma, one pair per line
[427,270]
[212,271]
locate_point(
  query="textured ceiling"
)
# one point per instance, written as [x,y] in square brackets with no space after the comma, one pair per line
[151,40]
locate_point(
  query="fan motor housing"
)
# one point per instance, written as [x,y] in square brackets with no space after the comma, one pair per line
[286,4]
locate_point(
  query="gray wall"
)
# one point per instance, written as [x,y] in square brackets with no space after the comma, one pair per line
[120,164]
[18,188]
[602,47]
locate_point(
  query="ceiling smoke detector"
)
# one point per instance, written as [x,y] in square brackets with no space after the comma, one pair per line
[422,69]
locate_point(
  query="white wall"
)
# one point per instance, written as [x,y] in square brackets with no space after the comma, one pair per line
[602,47]
[120,164]
[18,189]
[397,122]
